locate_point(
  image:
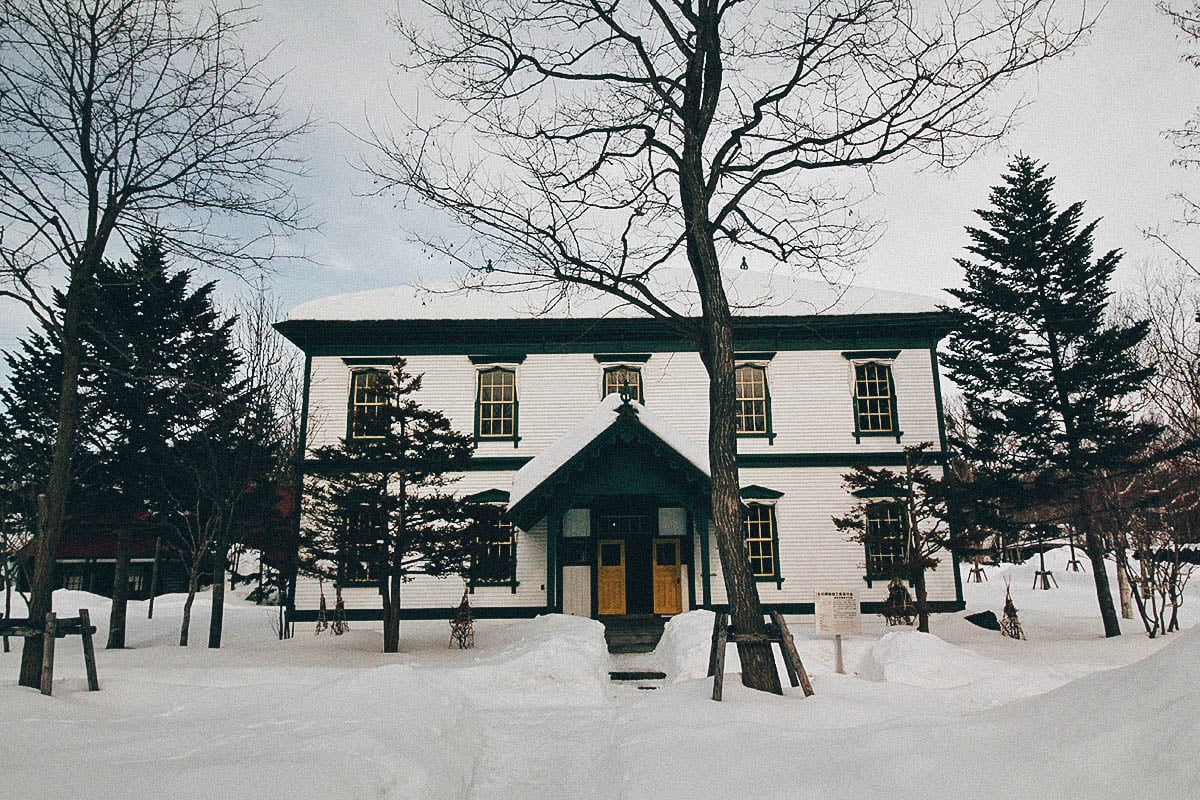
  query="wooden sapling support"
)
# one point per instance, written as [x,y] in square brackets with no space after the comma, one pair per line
[776,633]
[1043,576]
[54,628]
[977,573]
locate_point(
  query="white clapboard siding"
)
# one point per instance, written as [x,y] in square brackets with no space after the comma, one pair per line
[811,405]
[813,554]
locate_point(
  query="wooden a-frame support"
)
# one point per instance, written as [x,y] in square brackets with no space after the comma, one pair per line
[776,633]
[55,628]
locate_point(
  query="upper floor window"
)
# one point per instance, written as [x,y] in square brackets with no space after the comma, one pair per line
[616,379]
[886,540]
[368,402]
[874,398]
[360,551]
[496,404]
[761,540]
[753,401]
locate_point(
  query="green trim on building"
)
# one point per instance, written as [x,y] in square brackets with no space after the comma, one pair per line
[622,358]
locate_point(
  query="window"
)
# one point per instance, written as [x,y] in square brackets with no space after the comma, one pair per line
[753,401]
[616,378]
[496,404]
[74,582]
[360,555]
[874,400]
[886,540]
[367,403]
[758,524]
[494,556]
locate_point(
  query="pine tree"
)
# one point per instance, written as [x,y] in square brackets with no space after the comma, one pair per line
[1042,372]
[159,380]
[379,508]
[903,513]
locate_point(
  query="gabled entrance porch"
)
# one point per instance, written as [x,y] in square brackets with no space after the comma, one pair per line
[625,501]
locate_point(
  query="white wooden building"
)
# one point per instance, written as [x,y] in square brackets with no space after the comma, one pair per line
[609,500]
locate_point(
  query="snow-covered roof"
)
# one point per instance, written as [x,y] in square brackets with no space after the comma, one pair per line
[750,293]
[598,420]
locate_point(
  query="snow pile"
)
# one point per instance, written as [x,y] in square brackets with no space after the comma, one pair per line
[922,659]
[683,650]
[550,660]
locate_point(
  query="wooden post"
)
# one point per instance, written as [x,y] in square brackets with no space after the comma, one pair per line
[791,656]
[719,666]
[712,650]
[154,577]
[48,635]
[89,650]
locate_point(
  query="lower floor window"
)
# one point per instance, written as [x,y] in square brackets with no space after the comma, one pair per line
[494,560]
[758,524]
[885,540]
[361,554]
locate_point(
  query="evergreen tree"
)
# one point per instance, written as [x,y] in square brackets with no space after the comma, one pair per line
[377,509]
[159,379]
[903,515]
[1043,374]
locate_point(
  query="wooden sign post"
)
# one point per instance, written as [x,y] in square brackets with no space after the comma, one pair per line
[837,615]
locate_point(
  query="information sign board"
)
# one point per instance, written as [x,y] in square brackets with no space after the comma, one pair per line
[837,613]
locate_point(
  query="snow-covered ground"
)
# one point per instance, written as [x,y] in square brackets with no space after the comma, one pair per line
[530,712]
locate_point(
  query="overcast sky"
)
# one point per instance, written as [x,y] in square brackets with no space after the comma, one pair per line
[1096,117]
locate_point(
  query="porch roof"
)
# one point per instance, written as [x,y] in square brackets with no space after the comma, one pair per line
[610,421]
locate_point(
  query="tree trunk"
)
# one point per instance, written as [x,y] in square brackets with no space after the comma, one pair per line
[1119,548]
[1094,544]
[219,561]
[757,658]
[922,592]
[120,598]
[193,587]
[391,616]
[53,511]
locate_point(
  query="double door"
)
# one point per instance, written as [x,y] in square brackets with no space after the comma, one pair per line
[631,576]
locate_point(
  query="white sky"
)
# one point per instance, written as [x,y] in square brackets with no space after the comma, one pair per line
[1096,117]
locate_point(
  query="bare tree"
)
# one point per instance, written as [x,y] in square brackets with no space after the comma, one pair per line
[589,142]
[119,117]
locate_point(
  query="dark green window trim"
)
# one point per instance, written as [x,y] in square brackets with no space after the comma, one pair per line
[773,522]
[875,355]
[631,358]
[367,361]
[514,437]
[769,433]
[504,358]
[758,356]
[859,433]
[488,496]
[755,492]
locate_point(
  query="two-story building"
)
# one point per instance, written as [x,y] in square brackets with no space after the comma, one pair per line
[590,423]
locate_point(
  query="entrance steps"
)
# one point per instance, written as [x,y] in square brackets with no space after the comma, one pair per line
[633,634]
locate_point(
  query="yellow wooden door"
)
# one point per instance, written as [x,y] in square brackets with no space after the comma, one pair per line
[610,577]
[668,591]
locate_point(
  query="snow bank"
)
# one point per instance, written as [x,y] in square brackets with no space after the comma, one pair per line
[921,659]
[554,659]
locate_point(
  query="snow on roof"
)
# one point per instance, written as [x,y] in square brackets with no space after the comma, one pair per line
[598,420]
[751,293]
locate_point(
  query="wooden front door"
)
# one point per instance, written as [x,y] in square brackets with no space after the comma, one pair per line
[610,577]
[668,591]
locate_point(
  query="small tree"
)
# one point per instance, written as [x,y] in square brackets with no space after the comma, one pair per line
[377,507]
[902,521]
[1043,375]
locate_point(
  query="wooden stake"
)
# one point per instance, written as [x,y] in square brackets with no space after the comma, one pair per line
[791,657]
[48,653]
[719,666]
[89,650]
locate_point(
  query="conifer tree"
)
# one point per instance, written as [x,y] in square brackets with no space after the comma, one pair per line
[159,380]
[902,513]
[1043,373]
[377,507]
